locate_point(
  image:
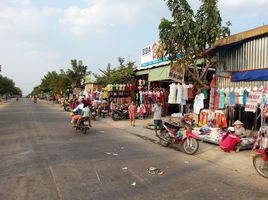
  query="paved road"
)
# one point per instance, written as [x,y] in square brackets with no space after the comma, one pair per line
[42,157]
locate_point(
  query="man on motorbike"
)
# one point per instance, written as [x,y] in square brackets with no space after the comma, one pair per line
[77,112]
[86,114]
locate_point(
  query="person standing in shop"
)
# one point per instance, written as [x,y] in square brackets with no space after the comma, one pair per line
[158,124]
[132,109]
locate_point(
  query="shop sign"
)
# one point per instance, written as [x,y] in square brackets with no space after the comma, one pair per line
[177,73]
[149,56]
[253,100]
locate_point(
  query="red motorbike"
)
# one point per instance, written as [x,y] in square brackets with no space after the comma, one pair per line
[260,162]
[260,159]
[173,134]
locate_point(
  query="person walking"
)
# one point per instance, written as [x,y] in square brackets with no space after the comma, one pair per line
[132,109]
[157,110]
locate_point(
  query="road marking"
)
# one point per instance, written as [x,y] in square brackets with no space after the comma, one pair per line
[98,176]
[55,183]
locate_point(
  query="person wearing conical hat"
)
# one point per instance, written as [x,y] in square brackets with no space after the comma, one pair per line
[239,128]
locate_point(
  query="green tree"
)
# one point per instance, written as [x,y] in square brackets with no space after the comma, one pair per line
[76,73]
[7,86]
[190,34]
[124,73]
[53,83]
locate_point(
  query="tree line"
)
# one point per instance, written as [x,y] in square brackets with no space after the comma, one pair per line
[7,87]
[64,82]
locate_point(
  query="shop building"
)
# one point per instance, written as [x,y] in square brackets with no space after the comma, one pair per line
[242,74]
[157,79]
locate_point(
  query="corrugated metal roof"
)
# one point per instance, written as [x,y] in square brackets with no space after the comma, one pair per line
[242,36]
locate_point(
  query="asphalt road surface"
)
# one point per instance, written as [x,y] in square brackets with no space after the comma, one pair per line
[42,157]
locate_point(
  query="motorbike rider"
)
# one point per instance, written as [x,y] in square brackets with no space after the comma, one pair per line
[77,112]
[86,113]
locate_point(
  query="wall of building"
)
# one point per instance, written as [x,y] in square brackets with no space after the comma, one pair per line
[249,54]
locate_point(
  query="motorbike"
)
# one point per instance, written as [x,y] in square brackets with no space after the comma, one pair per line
[260,162]
[172,134]
[260,159]
[83,125]
[119,114]
[94,113]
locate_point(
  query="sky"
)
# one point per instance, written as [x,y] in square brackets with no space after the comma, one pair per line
[37,36]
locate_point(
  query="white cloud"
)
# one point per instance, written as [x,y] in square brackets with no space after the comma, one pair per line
[103,14]
[242,4]
[17,20]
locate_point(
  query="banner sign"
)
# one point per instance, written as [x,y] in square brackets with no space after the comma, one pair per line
[253,100]
[149,56]
[250,75]
[176,73]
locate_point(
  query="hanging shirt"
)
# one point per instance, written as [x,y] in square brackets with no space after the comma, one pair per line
[212,98]
[184,92]
[172,91]
[227,96]
[236,92]
[216,100]
[221,99]
[179,94]
[154,97]
[240,98]
[198,103]
[232,98]
[205,92]
[245,96]
[190,92]
[162,98]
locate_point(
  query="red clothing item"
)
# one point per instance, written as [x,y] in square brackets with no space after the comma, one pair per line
[89,103]
[154,97]
[216,100]
[132,109]
[131,87]
[162,98]
[213,82]
[146,97]
[190,93]
[127,87]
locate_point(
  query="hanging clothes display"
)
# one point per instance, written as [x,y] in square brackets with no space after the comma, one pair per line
[185,92]
[172,94]
[190,92]
[212,93]
[232,97]
[216,100]
[179,94]
[221,99]
[205,92]
[227,96]
[198,103]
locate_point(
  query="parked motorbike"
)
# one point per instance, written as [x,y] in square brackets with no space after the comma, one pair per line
[260,162]
[260,159]
[119,114]
[171,134]
[94,113]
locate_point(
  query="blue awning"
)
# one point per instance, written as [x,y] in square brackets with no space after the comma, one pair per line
[250,75]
